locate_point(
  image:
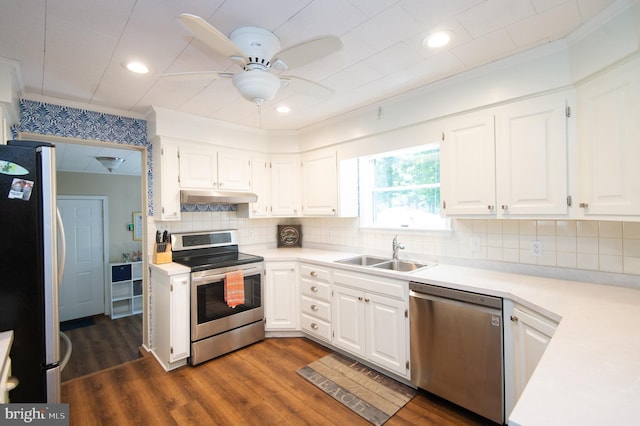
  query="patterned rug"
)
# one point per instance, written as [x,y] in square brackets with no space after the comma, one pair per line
[372,395]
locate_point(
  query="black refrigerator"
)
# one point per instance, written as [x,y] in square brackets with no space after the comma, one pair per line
[29,268]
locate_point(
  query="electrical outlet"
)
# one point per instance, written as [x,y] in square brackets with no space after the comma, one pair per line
[536,248]
[476,245]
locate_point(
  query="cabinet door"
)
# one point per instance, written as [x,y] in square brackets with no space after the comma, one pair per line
[468,165]
[608,142]
[234,170]
[386,332]
[261,185]
[179,309]
[348,320]
[198,166]
[166,188]
[285,186]
[320,184]
[281,290]
[531,336]
[531,156]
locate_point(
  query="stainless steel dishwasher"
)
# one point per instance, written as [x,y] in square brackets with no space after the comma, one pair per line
[456,347]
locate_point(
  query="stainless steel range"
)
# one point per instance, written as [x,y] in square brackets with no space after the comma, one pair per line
[216,327]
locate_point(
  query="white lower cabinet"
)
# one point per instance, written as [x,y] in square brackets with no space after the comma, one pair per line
[370,319]
[315,301]
[170,307]
[527,334]
[281,291]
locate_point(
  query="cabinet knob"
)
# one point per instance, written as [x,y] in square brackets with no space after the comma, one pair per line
[360,298]
[366,300]
[313,274]
[583,205]
[314,307]
[504,207]
[514,318]
[490,207]
[314,325]
[314,288]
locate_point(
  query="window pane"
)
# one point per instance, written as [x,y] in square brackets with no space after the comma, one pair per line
[407,169]
[408,207]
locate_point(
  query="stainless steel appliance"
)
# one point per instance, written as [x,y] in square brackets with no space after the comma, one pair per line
[29,268]
[457,347]
[216,328]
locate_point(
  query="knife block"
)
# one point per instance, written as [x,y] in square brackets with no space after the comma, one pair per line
[160,257]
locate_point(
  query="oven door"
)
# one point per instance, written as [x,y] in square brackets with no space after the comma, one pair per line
[210,314]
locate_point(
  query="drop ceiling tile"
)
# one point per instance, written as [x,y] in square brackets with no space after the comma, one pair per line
[492,15]
[546,26]
[430,13]
[387,28]
[372,7]
[352,77]
[233,14]
[590,8]
[395,58]
[485,49]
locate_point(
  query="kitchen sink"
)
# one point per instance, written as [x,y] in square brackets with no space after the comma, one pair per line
[363,260]
[399,265]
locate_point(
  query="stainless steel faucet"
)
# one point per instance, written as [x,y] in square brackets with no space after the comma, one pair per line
[396,246]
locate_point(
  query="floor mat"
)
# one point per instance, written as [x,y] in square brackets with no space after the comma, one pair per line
[77,323]
[370,394]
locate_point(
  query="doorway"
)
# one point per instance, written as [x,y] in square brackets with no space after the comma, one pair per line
[84,174]
[82,290]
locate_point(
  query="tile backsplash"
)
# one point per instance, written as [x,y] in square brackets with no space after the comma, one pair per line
[575,244]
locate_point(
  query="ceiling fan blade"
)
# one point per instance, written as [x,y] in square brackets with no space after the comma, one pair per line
[197,75]
[308,51]
[209,35]
[306,87]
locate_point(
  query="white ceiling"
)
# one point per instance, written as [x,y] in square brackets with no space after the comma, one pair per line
[82,159]
[74,50]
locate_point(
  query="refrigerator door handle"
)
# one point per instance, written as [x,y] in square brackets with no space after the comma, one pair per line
[63,247]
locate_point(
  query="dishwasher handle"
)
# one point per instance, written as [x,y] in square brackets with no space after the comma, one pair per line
[424,296]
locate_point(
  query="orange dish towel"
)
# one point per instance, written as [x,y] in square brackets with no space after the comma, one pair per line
[234,289]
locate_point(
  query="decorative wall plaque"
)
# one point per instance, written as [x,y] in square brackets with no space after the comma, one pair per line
[289,236]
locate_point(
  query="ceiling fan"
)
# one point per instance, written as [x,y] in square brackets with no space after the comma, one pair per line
[258,52]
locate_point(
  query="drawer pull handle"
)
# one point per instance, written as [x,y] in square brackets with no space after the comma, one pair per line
[314,288]
[313,274]
[314,308]
[314,325]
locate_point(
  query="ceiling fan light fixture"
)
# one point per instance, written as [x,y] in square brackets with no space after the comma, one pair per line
[110,163]
[437,39]
[256,85]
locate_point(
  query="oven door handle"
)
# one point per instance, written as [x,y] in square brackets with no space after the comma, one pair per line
[213,278]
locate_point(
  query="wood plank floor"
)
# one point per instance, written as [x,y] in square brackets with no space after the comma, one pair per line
[104,344]
[256,385]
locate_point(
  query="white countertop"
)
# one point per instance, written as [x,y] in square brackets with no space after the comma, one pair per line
[589,373]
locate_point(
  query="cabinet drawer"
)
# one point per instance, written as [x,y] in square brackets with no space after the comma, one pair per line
[315,289]
[316,308]
[314,272]
[317,328]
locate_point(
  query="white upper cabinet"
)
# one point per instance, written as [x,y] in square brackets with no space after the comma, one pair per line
[608,143]
[166,190]
[209,167]
[531,156]
[285,186]
[261,186]
[198,166]
[234,170]
[319,184]
[468,165]
[517,169]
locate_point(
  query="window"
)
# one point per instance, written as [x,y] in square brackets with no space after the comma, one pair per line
[401,189]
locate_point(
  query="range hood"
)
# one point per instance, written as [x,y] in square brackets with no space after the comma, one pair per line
[210,196]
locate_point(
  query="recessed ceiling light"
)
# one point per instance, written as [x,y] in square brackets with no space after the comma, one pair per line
[137,67]
[437,39]
[283,109]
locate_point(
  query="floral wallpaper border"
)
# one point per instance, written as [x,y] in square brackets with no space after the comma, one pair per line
[58,120]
